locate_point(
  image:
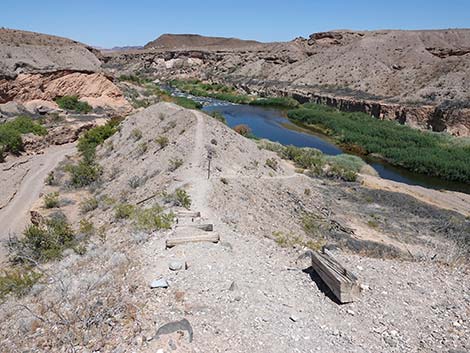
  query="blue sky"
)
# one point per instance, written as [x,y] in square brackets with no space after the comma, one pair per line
[119,22]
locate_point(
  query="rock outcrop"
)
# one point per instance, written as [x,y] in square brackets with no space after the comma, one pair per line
[37,66]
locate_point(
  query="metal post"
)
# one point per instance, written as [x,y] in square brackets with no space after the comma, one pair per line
[209,157]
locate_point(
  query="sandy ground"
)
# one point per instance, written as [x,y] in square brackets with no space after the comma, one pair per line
[449,200]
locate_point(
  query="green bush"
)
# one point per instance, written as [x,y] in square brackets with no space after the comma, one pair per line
[423,152]
[182,198]
[162,141]
[51,200]
[17,281]
[84,173]
[279,102]
[174,164]
[337,171]
[73,104]
[272,163]
[151,219]
[94,137]
[136,134]
[123,211]
[43,243]
[88,205]
[87,171]
[134,79]
[86,227]
[347,162]
[10,133]
[187,103]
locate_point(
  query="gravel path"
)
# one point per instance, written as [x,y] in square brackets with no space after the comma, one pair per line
[14,216]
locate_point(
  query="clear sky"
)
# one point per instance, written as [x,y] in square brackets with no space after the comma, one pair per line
[135,22]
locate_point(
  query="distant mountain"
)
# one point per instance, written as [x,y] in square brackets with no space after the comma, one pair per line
[117,49]
[187,41]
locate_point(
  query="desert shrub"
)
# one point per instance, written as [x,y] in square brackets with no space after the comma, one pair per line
[10,133]
[187,103]
[162,141]
[17,282]
[347,161]
[337,171]
[218,116]
[96,136]
[153,218]
[136,181]
[137,79]
[272,163]
[178,198]
[50,179]
[51,200]
[123,211]
[73,104]
[182,198]
[242,129]
[84,173]
[88,205]
[174,164]
[280,102]
[136,134]
[86,227]
[24,125]
[142,148]
[2,153]
[43,243]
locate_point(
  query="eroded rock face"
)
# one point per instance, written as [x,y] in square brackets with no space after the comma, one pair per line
[95,88]
[36,66]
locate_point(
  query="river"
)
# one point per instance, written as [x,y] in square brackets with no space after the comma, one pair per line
[273,124]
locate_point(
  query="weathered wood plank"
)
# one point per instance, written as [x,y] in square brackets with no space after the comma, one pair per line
[212,238]
[342,282]
[189,214]
[206,227]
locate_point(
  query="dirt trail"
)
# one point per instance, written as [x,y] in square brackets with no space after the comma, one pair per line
[14,216]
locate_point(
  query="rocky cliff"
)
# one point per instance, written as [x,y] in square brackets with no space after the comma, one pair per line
[37,66]
[416,77]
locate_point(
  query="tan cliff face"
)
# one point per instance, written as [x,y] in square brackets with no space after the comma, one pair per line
[94,88]
[36,66]
[415,77]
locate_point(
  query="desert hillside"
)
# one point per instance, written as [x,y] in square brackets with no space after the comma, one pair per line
[415,77]
[120,287]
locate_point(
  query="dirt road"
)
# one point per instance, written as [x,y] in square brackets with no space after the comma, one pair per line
[14,215]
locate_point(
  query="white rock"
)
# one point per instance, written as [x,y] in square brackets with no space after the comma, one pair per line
[177,265]
[159,283]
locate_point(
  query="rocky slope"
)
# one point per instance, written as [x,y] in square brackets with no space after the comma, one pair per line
[246,293]
[415,77]
[37,66]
